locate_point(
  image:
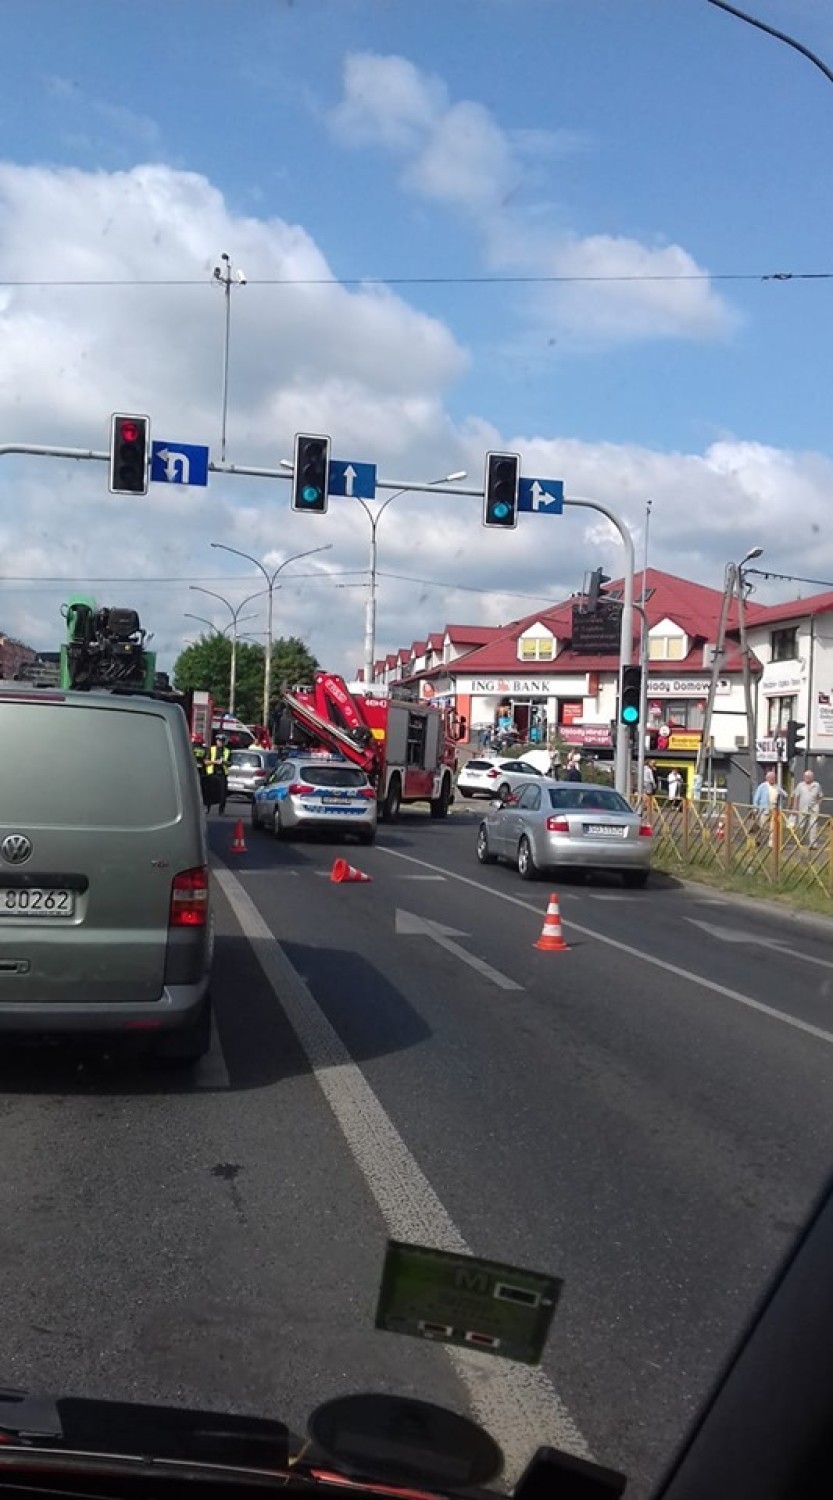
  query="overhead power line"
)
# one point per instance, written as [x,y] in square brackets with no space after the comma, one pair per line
[362,281]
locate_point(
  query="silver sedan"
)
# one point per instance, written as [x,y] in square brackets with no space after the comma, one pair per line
[567,824]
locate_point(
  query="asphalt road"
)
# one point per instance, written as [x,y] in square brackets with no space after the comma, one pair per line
[646,1116]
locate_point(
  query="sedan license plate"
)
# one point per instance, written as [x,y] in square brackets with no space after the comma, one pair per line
[333,799]
[606,830]
[36,901]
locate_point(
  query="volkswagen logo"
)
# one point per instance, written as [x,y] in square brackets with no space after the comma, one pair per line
[16,848]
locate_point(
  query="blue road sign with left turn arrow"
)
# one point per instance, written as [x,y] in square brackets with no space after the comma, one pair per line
[350,478]
[544,496]
[178,463]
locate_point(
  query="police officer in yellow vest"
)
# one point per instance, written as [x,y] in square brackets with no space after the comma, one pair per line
[216,767]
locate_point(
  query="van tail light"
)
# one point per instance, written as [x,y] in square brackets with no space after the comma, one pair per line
[189,898]
[300,789]
[646,831]
[557,825]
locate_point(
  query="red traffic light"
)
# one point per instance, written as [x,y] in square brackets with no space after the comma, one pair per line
[129,454]
[129,431]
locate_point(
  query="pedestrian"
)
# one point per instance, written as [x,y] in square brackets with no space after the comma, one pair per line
[649,779]
[806,801]
[675,785]
[768,797]
[573,769]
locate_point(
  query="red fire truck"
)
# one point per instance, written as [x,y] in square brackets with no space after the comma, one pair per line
[407,748]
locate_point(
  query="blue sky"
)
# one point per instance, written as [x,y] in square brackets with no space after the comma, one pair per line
[625,128]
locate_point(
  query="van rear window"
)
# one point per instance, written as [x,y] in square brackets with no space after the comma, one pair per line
[69,767]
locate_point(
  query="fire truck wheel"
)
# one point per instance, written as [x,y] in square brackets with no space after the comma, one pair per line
[439,805]
[393,801]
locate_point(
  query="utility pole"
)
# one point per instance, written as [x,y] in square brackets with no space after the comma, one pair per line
[226,278]
[751,735]
[642,728]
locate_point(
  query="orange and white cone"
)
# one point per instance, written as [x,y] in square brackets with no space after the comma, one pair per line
[342,872]
[238,843]
[552,936]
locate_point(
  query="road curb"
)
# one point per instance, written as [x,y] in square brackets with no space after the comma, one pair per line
[756,903]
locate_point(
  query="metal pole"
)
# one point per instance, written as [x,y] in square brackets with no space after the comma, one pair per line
[225,366]
[370,609]
[643,662]
[267,666]
[232,690]
[717,661]
[747,673]
[622,761]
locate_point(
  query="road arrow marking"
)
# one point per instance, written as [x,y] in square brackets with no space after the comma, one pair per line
[409,924]
[736,935]
[349,476]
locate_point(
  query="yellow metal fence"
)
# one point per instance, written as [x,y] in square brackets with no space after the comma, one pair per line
[789,851]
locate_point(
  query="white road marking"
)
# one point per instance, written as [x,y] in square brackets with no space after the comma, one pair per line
[517,1404]
[211,1071]
[408,924]
[648,958]
[738,935]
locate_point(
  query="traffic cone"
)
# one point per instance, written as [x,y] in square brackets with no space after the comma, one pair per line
[341,872]
[238,843]
[552,937]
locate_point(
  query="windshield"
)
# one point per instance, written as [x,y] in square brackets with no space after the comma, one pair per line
[426,403]
[599,798]
[318,775]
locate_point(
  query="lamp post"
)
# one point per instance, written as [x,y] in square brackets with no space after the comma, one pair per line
[235,619]
[270,590]
[370,607]
[226,278]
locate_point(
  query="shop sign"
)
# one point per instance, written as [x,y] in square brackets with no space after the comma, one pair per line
[685,739]
[585,734]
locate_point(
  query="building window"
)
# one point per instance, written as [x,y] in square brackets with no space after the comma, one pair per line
[536,648]
[784,644]
[780,710]
[677,713]
[666,647]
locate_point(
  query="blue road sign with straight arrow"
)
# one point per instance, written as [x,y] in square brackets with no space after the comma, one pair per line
[543,496]
[347,477]
[179,463]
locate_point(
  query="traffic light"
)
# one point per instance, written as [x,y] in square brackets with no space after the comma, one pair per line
[129,450]
[795,739]
[312,472]
[598,579]
[630,704]
[500,498]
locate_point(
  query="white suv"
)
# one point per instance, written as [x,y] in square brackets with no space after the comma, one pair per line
[490,776]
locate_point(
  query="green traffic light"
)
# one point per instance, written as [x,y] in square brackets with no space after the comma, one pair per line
[630,715]
[310,493]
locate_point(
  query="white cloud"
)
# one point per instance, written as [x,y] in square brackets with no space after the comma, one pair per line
[362,365]
[458,154]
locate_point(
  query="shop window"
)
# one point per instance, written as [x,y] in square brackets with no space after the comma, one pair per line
[779,712]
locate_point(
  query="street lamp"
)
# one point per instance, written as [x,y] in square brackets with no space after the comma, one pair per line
[270,590]
[370,608]
[235,619]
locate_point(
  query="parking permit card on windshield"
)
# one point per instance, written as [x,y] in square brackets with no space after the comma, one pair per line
[460,1299]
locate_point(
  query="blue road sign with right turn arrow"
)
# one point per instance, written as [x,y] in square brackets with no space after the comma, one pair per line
[543,496]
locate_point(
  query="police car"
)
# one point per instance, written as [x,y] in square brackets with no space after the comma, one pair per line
[314,792]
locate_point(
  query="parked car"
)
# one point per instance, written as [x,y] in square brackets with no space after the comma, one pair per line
[105,913]
[249,769]
[308,793]
[567,824]
[493,776]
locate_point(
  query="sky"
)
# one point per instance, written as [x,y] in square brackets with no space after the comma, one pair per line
[551,227]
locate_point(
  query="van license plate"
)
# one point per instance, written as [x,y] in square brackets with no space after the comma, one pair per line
[36,901]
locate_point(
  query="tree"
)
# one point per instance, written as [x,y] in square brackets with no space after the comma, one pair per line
[206,667]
